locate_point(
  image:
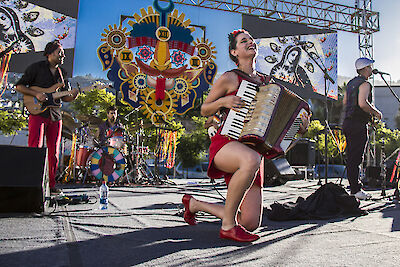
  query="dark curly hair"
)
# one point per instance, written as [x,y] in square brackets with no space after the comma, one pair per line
[51,47]
[111,108]
[232,43]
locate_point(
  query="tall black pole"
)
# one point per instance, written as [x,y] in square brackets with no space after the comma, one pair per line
[326,112]
[326,130]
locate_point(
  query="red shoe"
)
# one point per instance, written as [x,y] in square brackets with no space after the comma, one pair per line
[188,216]
[238,233]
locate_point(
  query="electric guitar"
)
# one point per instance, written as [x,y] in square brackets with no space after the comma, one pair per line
[35,107]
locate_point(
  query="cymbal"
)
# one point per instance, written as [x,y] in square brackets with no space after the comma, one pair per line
[90,118]
[66,133]
[69,121]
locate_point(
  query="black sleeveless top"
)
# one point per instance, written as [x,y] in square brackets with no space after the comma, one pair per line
[353,110]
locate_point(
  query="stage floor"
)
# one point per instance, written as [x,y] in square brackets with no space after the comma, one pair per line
[143,226]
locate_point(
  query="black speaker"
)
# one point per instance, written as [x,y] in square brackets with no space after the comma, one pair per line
[373,176]
[277,171]
[24,181]
[302,154]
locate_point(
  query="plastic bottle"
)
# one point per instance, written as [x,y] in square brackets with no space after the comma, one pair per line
[103,196]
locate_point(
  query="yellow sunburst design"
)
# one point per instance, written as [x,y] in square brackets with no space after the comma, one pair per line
[153,108]
[205,49]
[115,37]
[152,16]
[179,20]
[138,81]
[182,86]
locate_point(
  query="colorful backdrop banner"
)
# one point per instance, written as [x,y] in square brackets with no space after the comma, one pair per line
[28,27]
[287,61]
[156,63]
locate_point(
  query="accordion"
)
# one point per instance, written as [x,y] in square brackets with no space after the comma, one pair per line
[269,121]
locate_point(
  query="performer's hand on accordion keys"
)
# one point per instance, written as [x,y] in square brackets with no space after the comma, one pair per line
[305,121]
[233,102]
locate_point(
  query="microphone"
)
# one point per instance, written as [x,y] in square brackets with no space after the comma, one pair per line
[375,71]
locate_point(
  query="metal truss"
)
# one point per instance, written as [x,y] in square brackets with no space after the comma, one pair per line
[365,37]
[315,13]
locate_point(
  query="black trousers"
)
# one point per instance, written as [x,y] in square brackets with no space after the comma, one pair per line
[356,139]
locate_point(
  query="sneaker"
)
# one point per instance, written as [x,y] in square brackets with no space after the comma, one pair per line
[362,195]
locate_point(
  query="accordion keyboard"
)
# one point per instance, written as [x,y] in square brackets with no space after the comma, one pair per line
[235,120]
[291,133]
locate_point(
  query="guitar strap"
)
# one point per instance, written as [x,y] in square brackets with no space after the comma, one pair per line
[61,75]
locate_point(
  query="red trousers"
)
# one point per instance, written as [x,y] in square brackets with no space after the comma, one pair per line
[38,128]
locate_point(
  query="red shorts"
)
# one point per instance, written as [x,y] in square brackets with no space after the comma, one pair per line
[217,142]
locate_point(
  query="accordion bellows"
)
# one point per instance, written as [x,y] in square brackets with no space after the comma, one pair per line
[272,118]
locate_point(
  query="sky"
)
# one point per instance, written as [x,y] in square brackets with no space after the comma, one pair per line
[93,19]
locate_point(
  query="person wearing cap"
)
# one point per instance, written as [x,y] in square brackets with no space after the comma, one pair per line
[359,110]
[45,74]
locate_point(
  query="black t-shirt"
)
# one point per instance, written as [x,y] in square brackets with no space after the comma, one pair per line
[353,110]
[39,74]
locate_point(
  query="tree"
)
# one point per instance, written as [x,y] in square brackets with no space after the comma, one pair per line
[193,145]
[12,121]
[336,143]
[93,103]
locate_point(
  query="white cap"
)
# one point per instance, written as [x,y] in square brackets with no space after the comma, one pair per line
[363,62]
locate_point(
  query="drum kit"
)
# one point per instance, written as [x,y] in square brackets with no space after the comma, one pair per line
[85,159]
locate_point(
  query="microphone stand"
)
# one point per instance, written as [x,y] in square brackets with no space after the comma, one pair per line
[326,78]
[390,88]
[383,165]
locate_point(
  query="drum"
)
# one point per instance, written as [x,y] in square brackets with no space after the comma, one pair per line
[107,163]
[116,142]
[116,138]
[82,155]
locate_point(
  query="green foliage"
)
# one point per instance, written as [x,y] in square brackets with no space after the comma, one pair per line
[316,133]
[93,102]
[12,121]
[192,145]
[391,138]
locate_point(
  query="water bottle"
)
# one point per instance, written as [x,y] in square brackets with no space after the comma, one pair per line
[103,196]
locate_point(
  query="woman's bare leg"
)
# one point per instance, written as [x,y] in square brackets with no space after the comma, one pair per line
[250,209]
[243,162]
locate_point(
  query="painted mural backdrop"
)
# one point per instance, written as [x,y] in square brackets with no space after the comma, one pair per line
[156,63]
[28,27]
[287,61]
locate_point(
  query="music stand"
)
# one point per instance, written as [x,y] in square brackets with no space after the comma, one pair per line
[326,112]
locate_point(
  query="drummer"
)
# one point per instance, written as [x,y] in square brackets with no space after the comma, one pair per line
[109,126]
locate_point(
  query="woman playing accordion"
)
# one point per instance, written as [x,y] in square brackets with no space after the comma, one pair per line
[236,162]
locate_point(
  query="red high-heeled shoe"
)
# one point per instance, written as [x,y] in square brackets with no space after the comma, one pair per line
[238,233]
[188,216]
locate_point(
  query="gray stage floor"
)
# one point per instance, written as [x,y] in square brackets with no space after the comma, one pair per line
[142,226]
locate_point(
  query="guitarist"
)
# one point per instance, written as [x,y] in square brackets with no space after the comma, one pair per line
[45,74]
[358,111]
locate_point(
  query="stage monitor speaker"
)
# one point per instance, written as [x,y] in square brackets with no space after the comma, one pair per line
[302,154]
[276,171]
[373,175]
[24,182]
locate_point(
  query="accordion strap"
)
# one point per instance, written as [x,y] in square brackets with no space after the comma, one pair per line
[264,77]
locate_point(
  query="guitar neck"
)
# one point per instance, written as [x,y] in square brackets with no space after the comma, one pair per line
[57,95]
